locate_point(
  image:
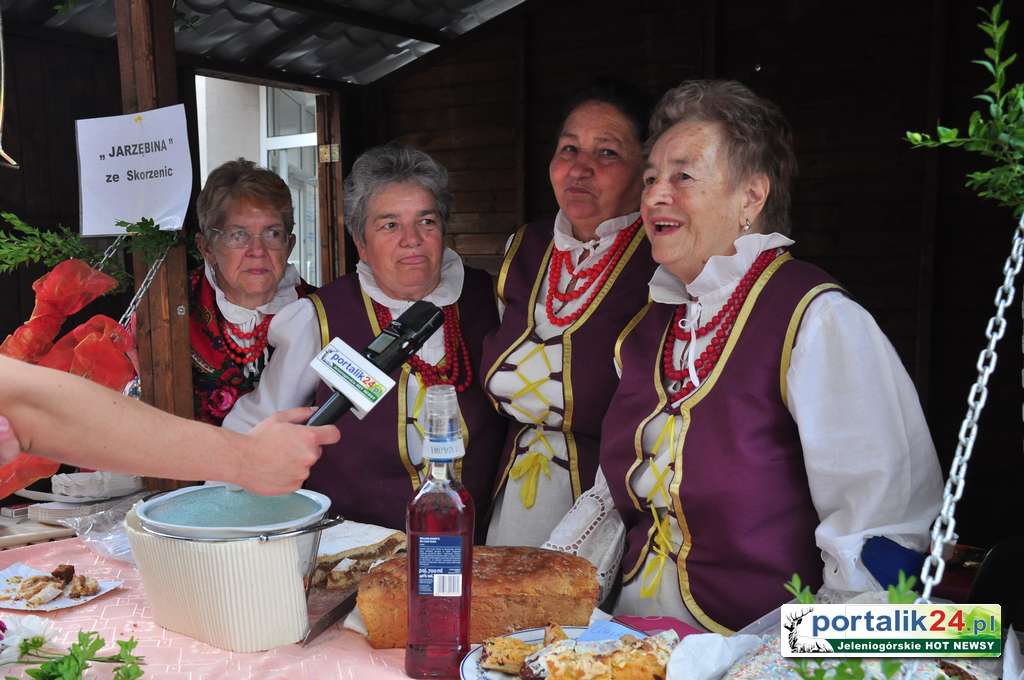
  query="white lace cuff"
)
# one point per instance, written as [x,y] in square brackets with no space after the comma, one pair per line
[594,530]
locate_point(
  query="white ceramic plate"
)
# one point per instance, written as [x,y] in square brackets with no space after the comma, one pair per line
[44,496]
[470,669]
[62,602]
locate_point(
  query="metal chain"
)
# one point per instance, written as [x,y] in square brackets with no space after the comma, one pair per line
[942,530]
[109,252]
[144,286]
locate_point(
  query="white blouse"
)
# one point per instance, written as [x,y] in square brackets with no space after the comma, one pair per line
[247,319]
[536,401]
[288,381]
[871,465]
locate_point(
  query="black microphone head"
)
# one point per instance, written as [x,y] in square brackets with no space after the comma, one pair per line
[421,320]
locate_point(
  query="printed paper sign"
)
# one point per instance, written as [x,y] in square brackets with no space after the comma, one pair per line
[134,166]
[951,630]
[352,374]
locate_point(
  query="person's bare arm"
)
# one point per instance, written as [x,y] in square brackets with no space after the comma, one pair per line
[9,445]
[72,420]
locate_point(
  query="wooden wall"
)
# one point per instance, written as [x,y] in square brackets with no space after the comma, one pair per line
[892,223]
[52,79]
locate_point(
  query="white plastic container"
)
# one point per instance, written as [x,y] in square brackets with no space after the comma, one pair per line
[243,592]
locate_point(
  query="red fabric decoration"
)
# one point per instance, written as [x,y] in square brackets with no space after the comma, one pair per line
[100,349]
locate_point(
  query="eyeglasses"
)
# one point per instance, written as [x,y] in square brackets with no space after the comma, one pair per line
[274,238]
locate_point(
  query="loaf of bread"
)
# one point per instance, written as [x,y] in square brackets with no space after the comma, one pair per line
[513,588]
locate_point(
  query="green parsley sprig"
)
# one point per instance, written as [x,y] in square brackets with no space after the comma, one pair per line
[80,655]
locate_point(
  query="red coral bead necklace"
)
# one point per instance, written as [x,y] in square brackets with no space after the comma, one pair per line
[599,272]
[722,323]
[456,353]
[245,355]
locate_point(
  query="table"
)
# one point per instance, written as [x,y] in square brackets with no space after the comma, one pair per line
[19,532]
[124,613]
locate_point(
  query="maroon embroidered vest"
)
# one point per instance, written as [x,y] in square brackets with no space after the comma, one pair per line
[738,484]
[368,474]
[588,376]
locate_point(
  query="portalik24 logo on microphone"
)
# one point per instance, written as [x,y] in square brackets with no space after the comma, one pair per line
[353,374]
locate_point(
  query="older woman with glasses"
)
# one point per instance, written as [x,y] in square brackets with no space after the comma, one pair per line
[245,217]
[396,209]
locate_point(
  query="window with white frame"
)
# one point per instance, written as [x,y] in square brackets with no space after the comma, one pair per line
[288,146]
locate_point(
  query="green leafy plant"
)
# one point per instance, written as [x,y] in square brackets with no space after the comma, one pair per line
[28,245]
[902,592]
[799,591]
[26,642]
[996,132]
[147,239]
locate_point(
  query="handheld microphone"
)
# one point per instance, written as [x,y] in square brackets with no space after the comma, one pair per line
[360,379]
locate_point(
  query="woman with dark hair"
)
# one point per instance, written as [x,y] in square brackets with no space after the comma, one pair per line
[566,289]
[763,424]
[245,221]
[396,209]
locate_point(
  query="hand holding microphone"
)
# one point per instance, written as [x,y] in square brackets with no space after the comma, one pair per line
[361,379]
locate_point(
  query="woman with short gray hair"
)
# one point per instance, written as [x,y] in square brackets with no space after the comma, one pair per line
[392,164]
[396,209]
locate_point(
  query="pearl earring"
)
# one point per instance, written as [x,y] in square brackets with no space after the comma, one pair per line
[746,225]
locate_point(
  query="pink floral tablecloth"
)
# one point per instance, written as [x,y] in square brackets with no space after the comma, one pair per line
[124,613]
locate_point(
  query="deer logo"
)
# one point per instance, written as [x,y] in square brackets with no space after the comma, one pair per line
[803,644]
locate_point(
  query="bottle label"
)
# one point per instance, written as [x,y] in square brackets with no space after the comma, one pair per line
[444,449]
[440,566]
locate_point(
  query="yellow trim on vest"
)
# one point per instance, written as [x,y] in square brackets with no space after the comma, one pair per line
[650,580]
[403,391]
[508,466]
[403,444]
[794,326]
[506,262]
[637,318]
[628,576]
[321,317]
[511,348]
[684,410]
[638,446]
[570,440]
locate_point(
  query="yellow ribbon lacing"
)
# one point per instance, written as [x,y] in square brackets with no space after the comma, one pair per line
[650,579]
[668,431]
[530,464]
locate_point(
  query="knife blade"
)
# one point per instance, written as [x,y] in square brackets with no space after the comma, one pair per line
[332,616]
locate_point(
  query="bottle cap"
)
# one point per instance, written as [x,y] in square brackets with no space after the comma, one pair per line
[442,424]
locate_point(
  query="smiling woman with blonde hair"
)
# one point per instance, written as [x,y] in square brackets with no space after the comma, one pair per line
[396,209]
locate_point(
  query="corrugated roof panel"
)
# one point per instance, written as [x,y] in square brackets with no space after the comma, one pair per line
[255,33]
